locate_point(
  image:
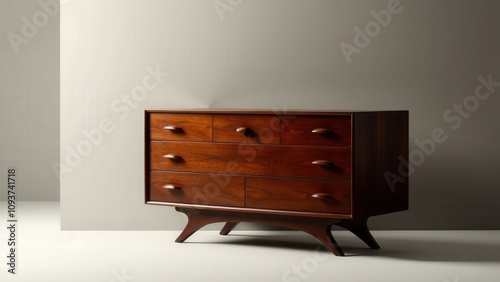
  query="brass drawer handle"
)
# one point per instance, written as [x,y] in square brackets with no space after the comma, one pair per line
[322,163]
[322,196]
[242,130]
[173,128]
[323,131]
[172,187]
[172,157]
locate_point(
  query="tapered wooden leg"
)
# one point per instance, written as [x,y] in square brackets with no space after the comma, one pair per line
[324,235]
[360,229]
[228,227]
[195,222]
[317,227]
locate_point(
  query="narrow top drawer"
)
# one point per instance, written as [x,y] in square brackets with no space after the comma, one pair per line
[186,127]
[261,129]
[316,130]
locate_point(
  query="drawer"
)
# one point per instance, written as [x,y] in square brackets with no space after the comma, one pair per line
[203,189]
[316,130]
[300,161]
[298,195]
[187,127]
[262,129]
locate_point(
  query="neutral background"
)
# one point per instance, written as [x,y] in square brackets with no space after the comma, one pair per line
[29,102]
[261,54]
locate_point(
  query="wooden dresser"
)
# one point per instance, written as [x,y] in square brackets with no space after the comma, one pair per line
[301,170]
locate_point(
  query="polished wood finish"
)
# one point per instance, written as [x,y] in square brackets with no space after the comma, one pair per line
[298,195]
[197,188]
[317,130]
[293,161]
[228,227]
[319,168]
[262,129]
[181,127]
[380,142]
[320,228]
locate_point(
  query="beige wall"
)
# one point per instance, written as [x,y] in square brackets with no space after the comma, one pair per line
[29,97]
[276,54]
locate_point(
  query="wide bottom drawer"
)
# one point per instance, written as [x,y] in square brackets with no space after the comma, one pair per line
[194,188]
[298,195]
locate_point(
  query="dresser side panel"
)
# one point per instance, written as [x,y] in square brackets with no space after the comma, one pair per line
[380,142]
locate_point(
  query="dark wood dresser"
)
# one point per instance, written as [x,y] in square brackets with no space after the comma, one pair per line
[301,170]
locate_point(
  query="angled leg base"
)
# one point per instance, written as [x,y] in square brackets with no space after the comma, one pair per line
[360,229]
[228,227]
[317,227]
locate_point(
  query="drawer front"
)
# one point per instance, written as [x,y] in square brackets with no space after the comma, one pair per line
[299,161]
[262,129]
[203,189]
[298,195]
[176,127]
[317,130]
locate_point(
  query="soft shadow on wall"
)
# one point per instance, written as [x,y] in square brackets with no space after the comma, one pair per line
[262,54]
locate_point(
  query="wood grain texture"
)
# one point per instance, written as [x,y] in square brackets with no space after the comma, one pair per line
[228,227]
[300,179]
[293,161]
[195,188]
[380,140]
[261,129]
[192,127]
[290,213]
[298,130]
[293,194]
[320,228]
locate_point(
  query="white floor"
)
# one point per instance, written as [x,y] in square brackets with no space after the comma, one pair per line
[48,254]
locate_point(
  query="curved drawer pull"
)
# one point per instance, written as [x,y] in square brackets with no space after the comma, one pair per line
[173,128]
[172,187]
[322,196]
[172,157]
[323,131]
[322,163]
[242,130]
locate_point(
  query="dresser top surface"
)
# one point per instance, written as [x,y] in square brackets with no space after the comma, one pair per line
[268,111]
